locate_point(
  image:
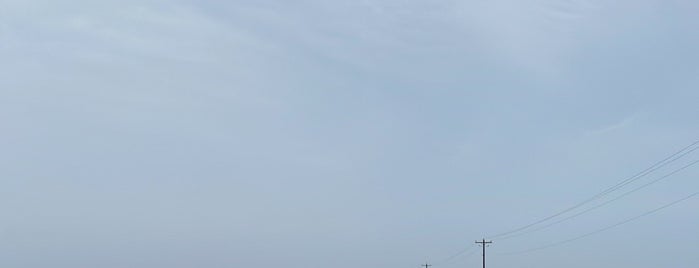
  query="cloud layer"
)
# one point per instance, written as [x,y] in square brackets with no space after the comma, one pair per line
[331,133]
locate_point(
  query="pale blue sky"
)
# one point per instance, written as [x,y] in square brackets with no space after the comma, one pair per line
[342,133]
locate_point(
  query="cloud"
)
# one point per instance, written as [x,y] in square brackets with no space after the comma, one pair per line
[611,128]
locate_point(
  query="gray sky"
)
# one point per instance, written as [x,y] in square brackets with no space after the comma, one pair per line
[342,133]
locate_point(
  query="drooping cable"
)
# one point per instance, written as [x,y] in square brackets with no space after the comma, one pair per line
[603,229]
[465,252]
[602,204]
[675,156]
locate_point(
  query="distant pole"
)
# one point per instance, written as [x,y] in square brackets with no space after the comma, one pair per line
[484,244]
[426,265]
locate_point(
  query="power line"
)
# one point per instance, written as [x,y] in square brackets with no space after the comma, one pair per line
[623,183]
[675,156]
[652,169]
[604,203]
[660,164]
[465,252]
[603,229]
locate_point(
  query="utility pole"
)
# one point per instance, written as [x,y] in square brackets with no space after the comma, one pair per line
[483,244]
[426,265]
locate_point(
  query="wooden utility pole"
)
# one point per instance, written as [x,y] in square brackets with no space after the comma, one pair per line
[484,244]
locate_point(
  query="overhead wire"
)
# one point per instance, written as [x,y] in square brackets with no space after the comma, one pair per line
[465,252]
[667,160]
[604,203]
[602,229]
[660,164]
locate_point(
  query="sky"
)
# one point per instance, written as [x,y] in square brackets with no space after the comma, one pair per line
[344,134]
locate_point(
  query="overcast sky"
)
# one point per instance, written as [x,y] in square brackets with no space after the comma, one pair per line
[318,133]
